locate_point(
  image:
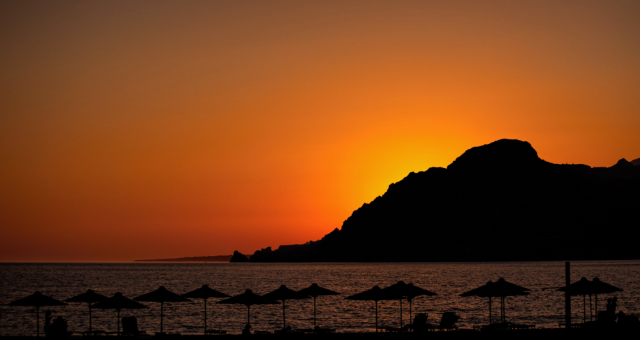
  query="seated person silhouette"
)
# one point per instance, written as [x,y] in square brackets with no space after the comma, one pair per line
[47,324]
[57,328]
[130,326]
[448,321]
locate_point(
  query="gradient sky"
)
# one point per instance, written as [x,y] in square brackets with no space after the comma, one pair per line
[154,129]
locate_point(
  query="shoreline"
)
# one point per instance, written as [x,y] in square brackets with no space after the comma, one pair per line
[465,333]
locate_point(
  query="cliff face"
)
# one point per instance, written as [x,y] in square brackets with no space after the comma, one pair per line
[497,202]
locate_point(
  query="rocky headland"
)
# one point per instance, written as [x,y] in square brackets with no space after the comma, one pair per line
[496,202]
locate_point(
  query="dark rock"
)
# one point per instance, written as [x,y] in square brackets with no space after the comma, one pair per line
[238,257]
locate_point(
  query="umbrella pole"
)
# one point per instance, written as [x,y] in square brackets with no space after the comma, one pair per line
[489,309]
[205,316]
[118,321]
[590,309]
[410,316]
[596,307]
[248,315]
[376,316]
[584,308]
[37,321]
[89,304]
[284,316]
[400,313]
[502,309]
[314,312]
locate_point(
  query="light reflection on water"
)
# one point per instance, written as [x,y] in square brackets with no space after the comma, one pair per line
[545,308]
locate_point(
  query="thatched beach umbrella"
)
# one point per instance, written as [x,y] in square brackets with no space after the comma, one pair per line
[600,287]
[407,291]
[204,293]
[161,295]
[510,287]
[118,302]
[314,291]
[374,294]
[585,287]
[582,287]
[495,289]
[283,294]
[89,297]
[248,298]
[37,300]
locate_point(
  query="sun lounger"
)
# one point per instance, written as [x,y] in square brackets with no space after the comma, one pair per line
[168,335]
[448,321]
[419,324]
[95,332]
[390,329]
[320,330]
[215,332]
[515,326]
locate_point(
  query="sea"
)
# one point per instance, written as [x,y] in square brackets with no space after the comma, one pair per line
[544,306]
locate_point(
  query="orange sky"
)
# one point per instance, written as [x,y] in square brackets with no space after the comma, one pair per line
[155,129]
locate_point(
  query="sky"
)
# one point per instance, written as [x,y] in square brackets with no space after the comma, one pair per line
[159,129]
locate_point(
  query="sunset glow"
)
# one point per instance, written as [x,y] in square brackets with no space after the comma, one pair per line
[138,130]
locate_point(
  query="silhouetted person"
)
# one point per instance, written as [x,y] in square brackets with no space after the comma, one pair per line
[246,330]
[47,324]
[56,329]
[612,303]
[59,325]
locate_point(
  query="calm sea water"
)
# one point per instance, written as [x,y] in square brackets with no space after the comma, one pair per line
[544,307]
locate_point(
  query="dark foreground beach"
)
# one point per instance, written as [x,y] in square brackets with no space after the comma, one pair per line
[611,333]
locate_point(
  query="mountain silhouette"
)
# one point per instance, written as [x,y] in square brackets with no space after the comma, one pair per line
[496,202]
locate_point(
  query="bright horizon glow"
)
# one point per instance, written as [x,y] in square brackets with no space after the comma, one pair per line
[168,129]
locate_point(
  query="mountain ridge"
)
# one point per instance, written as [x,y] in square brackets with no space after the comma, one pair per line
[496,202]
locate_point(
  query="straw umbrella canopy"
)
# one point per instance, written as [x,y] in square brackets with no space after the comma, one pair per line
[283,294]
[407,291]
[585,287]
[511,287]
[374,294]
[37,300]
[600,287]
[161,295]
[118,302]
[204,293]
[89,297]
[582,287]
[494,289]
[314,291]
[248,298]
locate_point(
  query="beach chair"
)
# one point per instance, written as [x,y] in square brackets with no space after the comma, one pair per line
[448,321]
[130,326]
[215,332]
[325,330]
[419,324]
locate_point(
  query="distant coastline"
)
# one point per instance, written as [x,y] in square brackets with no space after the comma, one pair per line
[217,258]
